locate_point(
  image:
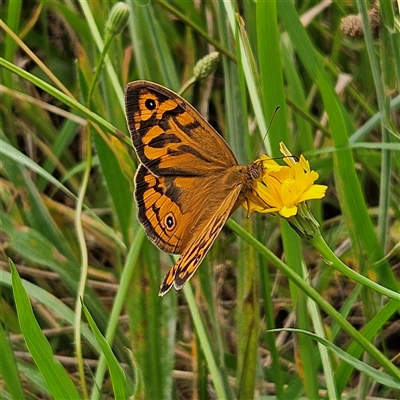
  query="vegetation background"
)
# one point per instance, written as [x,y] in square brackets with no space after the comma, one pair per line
[249,325]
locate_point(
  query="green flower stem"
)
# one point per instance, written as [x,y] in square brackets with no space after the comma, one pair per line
[329,256]
[100,64]
[322,303]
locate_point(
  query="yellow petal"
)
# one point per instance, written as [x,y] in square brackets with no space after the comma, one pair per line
[288,212]
[314,192]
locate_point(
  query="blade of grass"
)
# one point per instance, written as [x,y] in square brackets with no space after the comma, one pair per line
[37,214]
[271,76]
[117,375]
[306,364]
[8,365]
[384,108]
[246,65]
[13,11]
[74,104]
[222,387]
[58,382]
[270,339]
[146,34]
[247,281]
[33,376]
[363,235]
[248,317]
[235,110]
[153,320]
[7,150]
[33,246]
[375,374]
[273,94]
[35,58]
[127,272]
[319,328]
[369,332]
[95,34]
[55,305]
[353,205]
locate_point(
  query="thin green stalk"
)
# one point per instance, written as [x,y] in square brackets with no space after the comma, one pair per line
[330,258]
[84,251]
[321,332]
[248,72]
[324,305]
[84,262]
[181,16]
[125,280]
[384,108]
[115,83]
[221,388]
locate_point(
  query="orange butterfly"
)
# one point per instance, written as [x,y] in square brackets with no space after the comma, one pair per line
[188,182]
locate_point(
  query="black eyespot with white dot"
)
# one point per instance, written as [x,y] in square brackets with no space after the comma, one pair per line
[150,104]
[170,221]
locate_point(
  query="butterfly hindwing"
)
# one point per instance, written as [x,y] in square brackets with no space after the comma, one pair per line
[194,254]
[159,211]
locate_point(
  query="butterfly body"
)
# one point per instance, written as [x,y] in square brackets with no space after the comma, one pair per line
[188,182]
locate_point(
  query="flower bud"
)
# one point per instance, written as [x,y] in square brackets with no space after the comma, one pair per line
[304,222]
[351,26]
[206,66]
[117,19]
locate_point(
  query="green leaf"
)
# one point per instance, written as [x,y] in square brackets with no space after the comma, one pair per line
[8,366]
[374,374]
[58,382]
[117,375]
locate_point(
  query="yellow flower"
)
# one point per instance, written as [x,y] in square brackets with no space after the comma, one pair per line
[281,189]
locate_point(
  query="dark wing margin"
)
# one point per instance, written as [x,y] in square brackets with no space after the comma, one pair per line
[158,211]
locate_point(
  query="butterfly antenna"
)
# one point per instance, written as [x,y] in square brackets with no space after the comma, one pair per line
[269,127]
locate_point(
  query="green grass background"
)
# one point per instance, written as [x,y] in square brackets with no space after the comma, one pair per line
[249,325]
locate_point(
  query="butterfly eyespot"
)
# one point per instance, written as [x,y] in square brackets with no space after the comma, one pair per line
[170,221]
[150,104]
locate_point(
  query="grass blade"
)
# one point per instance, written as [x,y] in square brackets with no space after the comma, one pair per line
[58,382]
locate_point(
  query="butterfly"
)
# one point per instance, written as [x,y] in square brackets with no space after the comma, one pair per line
[188,181]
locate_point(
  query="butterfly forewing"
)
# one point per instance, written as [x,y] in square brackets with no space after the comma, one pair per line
[170,136]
